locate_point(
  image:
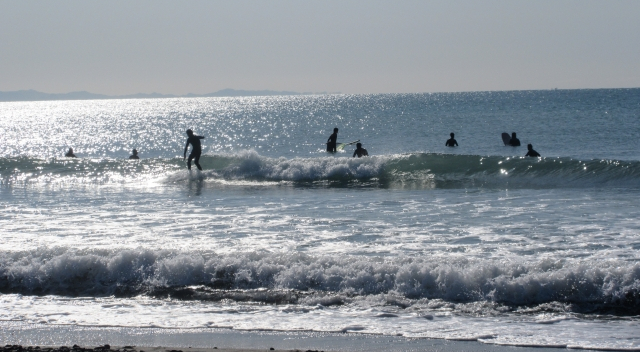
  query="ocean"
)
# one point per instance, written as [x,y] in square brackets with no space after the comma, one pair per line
[418,240]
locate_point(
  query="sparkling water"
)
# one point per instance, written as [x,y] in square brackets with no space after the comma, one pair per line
[474,242]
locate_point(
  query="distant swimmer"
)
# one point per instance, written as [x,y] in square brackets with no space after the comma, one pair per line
[196,149]
[451,142]
[332,141]
[134,155]
[360,152]
[532,152]
[514,142]
[70,153]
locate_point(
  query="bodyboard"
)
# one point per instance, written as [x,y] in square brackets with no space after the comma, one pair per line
[506,138]
[341,146]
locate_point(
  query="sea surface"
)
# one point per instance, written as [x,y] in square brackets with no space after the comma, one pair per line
[475,242]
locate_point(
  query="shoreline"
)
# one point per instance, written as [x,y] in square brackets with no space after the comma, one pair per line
[450,346]
[109,348]
[61,338]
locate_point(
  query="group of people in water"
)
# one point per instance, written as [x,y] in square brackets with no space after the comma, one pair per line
[332,145]
[71,154]
[514,142]
[196,150]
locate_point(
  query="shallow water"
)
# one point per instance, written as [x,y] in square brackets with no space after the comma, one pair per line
[419,240]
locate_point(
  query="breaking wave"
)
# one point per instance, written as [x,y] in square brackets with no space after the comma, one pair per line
[579,285]
[416,170]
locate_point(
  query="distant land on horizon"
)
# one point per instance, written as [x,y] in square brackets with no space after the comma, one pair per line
[33,95]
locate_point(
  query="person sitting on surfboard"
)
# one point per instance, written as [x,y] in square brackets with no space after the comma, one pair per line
[514,142]
[134,155]
[451,142]
[70,154]
[360,152]
[532,152]
[332,141]
[196,149]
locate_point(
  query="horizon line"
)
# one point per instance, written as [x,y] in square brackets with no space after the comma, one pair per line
[34,95]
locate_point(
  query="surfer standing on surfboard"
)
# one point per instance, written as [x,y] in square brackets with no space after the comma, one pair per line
[332,141]
[196,149]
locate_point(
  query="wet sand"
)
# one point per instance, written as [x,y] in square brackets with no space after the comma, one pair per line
[109,348]
[18,337]
[451,346]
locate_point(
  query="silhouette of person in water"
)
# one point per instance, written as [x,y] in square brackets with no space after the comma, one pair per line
[332,141]
[196,149]
[360,152]
[531,152]
[134,155]
[451,142]
[514,142]
[70,154]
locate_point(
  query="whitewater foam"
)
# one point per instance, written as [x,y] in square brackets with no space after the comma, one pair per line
[613,286]
[412,171]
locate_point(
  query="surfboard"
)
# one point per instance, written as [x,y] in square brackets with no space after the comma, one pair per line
[506,138]
[341,146]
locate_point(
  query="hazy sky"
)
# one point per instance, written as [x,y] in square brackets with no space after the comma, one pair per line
[358,46]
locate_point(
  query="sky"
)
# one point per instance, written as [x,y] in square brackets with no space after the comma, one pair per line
[346,46]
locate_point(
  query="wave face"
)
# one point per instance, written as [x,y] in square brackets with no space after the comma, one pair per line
[579,285]
[417,170]
[425,170]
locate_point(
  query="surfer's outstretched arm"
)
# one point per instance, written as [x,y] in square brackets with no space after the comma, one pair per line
[186,147]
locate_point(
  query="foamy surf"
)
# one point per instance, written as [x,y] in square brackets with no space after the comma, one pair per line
[473,243]
[416,170]
[574,285]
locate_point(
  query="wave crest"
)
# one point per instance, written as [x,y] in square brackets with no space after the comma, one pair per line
[416,170]
[607,287]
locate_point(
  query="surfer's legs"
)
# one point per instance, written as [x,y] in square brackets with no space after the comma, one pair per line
[196,160]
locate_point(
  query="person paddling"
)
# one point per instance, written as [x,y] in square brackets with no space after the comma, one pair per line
[531,152]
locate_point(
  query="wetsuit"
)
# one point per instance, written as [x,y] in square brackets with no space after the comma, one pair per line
[532,153]
[332,142]
[360,152]
[514,142]
[451,143]
[196,150]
